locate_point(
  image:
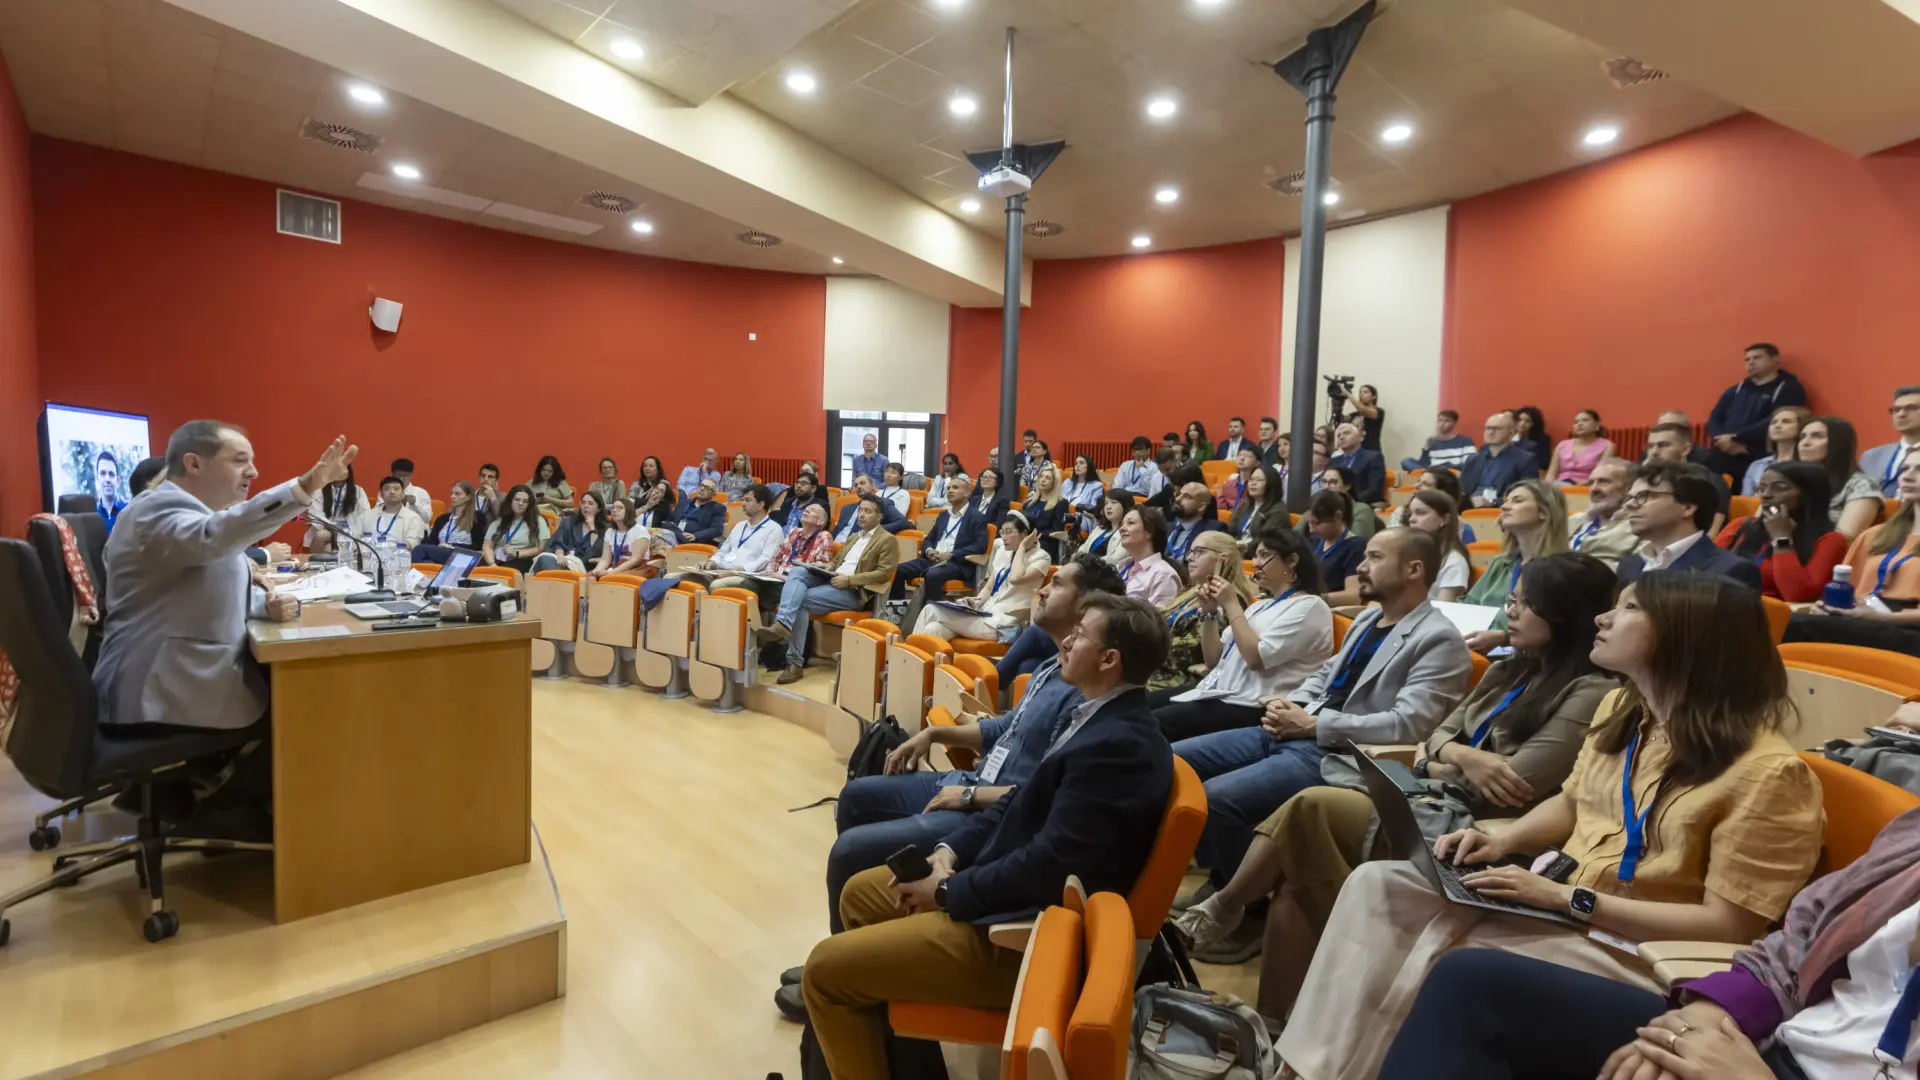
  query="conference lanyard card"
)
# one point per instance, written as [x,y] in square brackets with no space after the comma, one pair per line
[1312,708]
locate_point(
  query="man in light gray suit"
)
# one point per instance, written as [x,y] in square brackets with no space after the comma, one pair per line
[1400,671]
[180,586]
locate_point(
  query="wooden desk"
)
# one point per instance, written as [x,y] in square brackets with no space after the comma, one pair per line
[401,759]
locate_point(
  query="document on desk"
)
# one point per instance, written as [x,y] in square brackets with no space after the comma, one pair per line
[332,585]
[307,633]
[1467,618]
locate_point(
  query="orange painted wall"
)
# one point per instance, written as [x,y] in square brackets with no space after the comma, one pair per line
[19,373]
[1633,285]
[1103,336]
[511,346]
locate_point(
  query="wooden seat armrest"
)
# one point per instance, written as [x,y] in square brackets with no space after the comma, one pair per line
[1011,935]
[1657,952]
[1404,753]
[1670,972]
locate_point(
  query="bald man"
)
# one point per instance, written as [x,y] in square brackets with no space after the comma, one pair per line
[1498,466]
[1194,512]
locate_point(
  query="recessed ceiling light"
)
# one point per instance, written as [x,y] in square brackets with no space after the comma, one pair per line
[642,226]
[1167,195]
[1162,107]
[962,105]
[627,49]
[1330,198]
[366,95]
[950,5]
[970,205]
[1600,136]
[406,172]
[1142,240]
[1396,133]
[801,82]
[837,260]
[1208,3]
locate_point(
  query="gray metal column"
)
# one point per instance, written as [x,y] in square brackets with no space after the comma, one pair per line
[1010,337]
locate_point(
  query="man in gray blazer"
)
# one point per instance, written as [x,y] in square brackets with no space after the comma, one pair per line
[1400,671]
[180,586]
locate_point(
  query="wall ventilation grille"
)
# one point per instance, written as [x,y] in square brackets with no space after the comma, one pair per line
[340,135]
[1626,72]
[756,238]
[308,216]
[608,201]
[1289,184]
[1041,228]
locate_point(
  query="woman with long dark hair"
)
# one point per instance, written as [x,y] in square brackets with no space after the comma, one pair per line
[1830,442]
[1148,574]
[1260,507]
[1574,458]
[576,543]
[991,496]
[1199,447]
[1104,540]
[1723,825]
[462,527]
[1084,487]
[950,470]
[1530,432]
[738,479]
[337,502]
[1792,536]
[549,485]
[1886,583]
[1783,443]
[519,535]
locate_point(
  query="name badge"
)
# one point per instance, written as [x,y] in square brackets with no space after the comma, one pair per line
[1312,708]
[1874,603]
[991,770]
[1488,494]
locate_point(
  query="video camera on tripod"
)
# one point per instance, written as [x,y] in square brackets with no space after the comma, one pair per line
[1339,388]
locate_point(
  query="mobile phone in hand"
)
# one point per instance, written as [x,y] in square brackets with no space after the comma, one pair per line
[908,864]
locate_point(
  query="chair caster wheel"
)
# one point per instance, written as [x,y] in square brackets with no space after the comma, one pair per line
[44,839]
[160,926]
[6,931]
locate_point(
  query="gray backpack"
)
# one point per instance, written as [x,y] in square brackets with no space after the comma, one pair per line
[1198,1035]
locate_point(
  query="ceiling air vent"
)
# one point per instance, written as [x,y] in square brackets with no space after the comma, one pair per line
[308,216]
[340,135]
[1042,228]
[1625,71]
[1289,184]
[608,201]
[756,238]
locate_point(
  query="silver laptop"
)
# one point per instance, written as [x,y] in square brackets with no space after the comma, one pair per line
[1405,841]
[457,567]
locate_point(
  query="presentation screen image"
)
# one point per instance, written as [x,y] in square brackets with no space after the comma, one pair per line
[91,452]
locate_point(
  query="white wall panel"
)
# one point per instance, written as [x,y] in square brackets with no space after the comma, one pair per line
[1381,320]
[886,347]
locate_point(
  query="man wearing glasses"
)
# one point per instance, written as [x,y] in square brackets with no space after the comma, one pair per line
[1883,462]
[1669,509]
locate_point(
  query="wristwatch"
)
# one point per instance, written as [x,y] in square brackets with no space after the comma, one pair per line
[966,798]
[1783,542]
[1581,903]
[940,895]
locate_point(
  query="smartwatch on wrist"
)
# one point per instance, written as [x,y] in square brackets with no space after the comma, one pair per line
[1582,903]
[940,895]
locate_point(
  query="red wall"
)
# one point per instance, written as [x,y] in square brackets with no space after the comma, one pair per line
[511,346]
[19,375]
[1632,286]
[1124,346]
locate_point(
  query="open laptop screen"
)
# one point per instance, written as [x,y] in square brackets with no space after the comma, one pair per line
[458,565]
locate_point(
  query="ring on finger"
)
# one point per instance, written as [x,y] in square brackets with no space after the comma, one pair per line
[1673,1042]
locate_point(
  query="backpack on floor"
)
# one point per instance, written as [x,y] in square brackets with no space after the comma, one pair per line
[877,740]
[1196,1035]
[907,1059]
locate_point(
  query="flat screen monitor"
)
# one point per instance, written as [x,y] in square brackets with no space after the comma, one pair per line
[90,452]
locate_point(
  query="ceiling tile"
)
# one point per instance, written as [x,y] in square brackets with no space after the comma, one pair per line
[564,21]
[892,25]
[906,82]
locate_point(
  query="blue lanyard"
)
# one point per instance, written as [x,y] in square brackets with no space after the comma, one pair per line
[507,540]
[1880,581]
[1899,1030]
[1373,636]
[1592,527]
[1515,581]
[1636,824]
[382,530]
[1127,570]
[1000,578]
[1178,549]
[620,547]
[1321,547]
[1893,465]
[1486,726]
[743,540]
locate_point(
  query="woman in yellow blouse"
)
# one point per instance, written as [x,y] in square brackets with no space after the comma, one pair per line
[1687,814]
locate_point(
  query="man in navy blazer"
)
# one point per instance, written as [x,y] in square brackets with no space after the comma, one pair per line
[1669,508]
[1192,515]
[1091,810]
[944,551]
[701,518]
[849,524]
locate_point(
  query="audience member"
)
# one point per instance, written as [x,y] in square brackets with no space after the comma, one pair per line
[807,544]
[1498,465]
[1027,439]
[549,485]
[1530,433]
[390,522]
[1737,426]
[338,502]
[487,491]
[1001,607]
[958,532]
[518,534]
[992,496]
[1039,456]
[1259,507]
[1212,556]
[1143,536]
[738,478]
[1047,511]
[1140,475]
[1883,462]
[1672,443]
[1699,455]
[1603,530]
[1251,652]
[950,470]
[694,475]
[577,541]
[609,487]
[1234,487]
[627,546]
[1035,645]
[1399,672]
[1783,442]
[1829,442]
[1194,514]
[699,519]
[1670,508]
[1091,810]
[1369,469]
[417,499]
[869,462]
[1436,514]
[462,526]
[1506,748]
[1733,820]
[1271,452]
[894,489]
[1103,541]
[653,509]
[653,473]
[1574,459]
[865,566]
[791,501]
[1338,552]
[1792,537]
[1886,608]
[1084,488]
[1533,519]
[1340,478]
[1366,415]
[1447,449]
[1437,479]
[152,472]
[1813,993]
[890,519]
[1172,446]
[750,547]
[1199,447]
[1228,449]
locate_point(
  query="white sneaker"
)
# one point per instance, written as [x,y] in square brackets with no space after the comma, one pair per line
[1204,923]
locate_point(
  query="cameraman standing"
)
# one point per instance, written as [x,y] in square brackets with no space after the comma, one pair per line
[1367,414]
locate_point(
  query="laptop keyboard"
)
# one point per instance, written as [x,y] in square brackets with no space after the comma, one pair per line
[1450,877]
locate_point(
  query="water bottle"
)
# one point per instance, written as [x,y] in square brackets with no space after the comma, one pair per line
[361,557]
[1839,591]
[399,567]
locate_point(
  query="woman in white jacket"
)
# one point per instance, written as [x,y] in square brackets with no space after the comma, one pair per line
[1005,601]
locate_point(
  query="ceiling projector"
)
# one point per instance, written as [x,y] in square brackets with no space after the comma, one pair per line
[1005,182]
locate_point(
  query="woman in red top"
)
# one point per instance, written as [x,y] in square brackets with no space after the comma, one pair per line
[1792,537]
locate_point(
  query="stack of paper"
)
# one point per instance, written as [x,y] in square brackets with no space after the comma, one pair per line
[331,585]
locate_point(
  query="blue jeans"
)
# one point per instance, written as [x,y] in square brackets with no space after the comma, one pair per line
[879,815]
[1248,774]
[1032,648]
[809,592]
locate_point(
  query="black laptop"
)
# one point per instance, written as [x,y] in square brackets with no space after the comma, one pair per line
[1405,841]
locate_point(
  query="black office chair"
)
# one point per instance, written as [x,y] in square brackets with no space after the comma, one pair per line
[59,746]
[90,535]
[77,504]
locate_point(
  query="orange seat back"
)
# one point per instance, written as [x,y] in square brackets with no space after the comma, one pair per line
[931,644]
[1778,612]
[1890,666]
[428,568]
[1020,688]
[1186,815]
[1742,506]
[635,580]
[559,575]
[1480,666]
[504,574]
[1049,985]
[1858,806]
[1341,624]
[879,626]
[1100,1032]
[979,667]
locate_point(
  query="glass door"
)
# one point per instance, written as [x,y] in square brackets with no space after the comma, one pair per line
[910,438]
